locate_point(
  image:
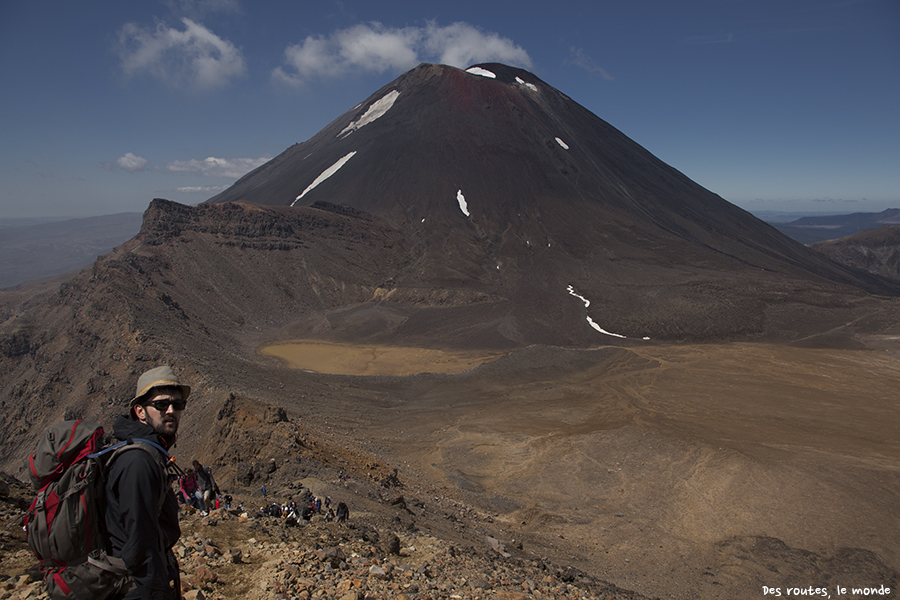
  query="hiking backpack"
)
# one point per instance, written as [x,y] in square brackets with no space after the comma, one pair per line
[66,522]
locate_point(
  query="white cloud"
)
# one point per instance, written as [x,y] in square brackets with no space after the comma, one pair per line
[373,48]
[462,44]
[195,57]
[217,167]
[580,59]
[376,48]
[202,189]
[131,163]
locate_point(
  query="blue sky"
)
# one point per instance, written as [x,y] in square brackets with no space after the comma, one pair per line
[773,104]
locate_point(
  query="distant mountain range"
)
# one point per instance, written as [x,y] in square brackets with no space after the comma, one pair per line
[809,230]
[36,251]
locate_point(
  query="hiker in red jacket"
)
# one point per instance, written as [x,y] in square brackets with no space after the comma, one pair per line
[188,486]
[142,511]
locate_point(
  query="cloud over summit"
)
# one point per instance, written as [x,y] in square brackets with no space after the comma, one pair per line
[375,48]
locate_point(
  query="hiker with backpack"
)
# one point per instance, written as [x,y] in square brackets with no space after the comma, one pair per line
[104,519]
[206,485]
[142,511]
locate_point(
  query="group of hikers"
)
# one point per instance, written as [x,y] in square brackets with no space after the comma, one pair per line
[198,488]
[295,514]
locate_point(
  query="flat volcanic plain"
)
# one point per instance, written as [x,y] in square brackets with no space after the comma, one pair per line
[677,471]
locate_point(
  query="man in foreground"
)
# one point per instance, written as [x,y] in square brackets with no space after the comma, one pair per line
[142,510]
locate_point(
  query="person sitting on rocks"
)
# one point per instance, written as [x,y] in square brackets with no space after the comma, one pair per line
[306,513]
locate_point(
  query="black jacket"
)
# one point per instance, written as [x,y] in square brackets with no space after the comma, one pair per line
[141,533]
[205,479]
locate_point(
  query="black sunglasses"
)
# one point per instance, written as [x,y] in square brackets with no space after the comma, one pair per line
[163,405]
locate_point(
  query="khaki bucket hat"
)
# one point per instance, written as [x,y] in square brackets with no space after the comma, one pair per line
[158,377]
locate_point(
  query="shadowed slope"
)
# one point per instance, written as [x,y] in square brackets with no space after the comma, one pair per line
[875,251]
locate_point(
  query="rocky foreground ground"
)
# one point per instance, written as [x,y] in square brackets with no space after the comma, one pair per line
[233,554]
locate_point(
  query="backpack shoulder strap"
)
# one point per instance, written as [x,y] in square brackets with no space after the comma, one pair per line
[160,456]
[129,443]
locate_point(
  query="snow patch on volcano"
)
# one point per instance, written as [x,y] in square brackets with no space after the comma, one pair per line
[480,71]
[530,86]
[463,206]
[325,175]
[571,291]
[590,321]
[378,108]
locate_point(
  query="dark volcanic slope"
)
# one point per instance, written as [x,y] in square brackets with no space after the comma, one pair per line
[536,170]
[555,197]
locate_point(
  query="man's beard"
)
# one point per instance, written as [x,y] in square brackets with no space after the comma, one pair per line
[166,428]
